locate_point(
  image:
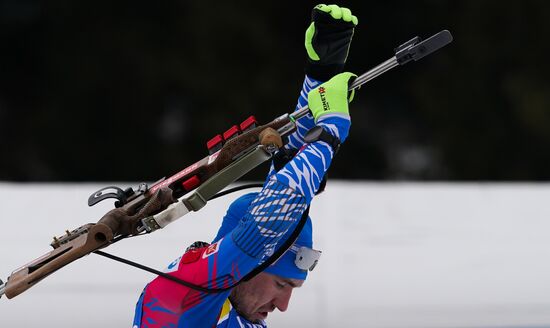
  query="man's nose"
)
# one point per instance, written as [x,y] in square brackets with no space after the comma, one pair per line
[282,300]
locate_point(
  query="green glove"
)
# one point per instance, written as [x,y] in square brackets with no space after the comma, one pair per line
[328,39]
[332,97]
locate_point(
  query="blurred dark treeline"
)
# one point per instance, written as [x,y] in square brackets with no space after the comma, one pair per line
[132,90]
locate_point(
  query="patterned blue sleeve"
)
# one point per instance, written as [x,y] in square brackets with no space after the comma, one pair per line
[304,124]
[287,193]
[306,170]
[282,201]
[274,211]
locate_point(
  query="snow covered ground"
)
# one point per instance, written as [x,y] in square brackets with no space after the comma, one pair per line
[394,255]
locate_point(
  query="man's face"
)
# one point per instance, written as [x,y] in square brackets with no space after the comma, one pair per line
[255,298]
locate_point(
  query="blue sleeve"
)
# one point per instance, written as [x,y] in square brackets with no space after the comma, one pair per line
[258,224]
[277,209]
[271,215]
[276,199]
[235,213]
[304,124]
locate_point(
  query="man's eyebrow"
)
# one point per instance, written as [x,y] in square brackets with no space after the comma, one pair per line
[291,283]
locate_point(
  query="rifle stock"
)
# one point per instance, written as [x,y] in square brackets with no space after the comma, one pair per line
[127,220]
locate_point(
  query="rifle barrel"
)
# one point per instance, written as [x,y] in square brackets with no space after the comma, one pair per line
[374,72]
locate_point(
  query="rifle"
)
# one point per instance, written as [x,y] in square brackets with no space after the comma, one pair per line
[149,208]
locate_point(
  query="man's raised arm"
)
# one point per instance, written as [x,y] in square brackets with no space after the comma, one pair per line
[279,206]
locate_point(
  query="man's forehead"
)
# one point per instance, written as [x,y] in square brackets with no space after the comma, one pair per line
[291,281]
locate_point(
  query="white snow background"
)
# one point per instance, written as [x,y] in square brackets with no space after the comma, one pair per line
[394,255]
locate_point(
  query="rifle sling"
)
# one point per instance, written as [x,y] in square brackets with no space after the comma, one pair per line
[276,255]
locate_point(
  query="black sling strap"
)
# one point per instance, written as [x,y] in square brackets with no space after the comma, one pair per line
[276,255]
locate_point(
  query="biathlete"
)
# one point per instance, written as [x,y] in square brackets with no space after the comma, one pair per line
[257,224]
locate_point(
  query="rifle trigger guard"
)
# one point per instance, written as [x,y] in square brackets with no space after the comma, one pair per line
[110,192]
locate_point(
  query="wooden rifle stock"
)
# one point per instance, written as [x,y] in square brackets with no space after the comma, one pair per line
[126,220]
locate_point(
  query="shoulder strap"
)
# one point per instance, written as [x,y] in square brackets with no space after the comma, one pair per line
[249,276]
